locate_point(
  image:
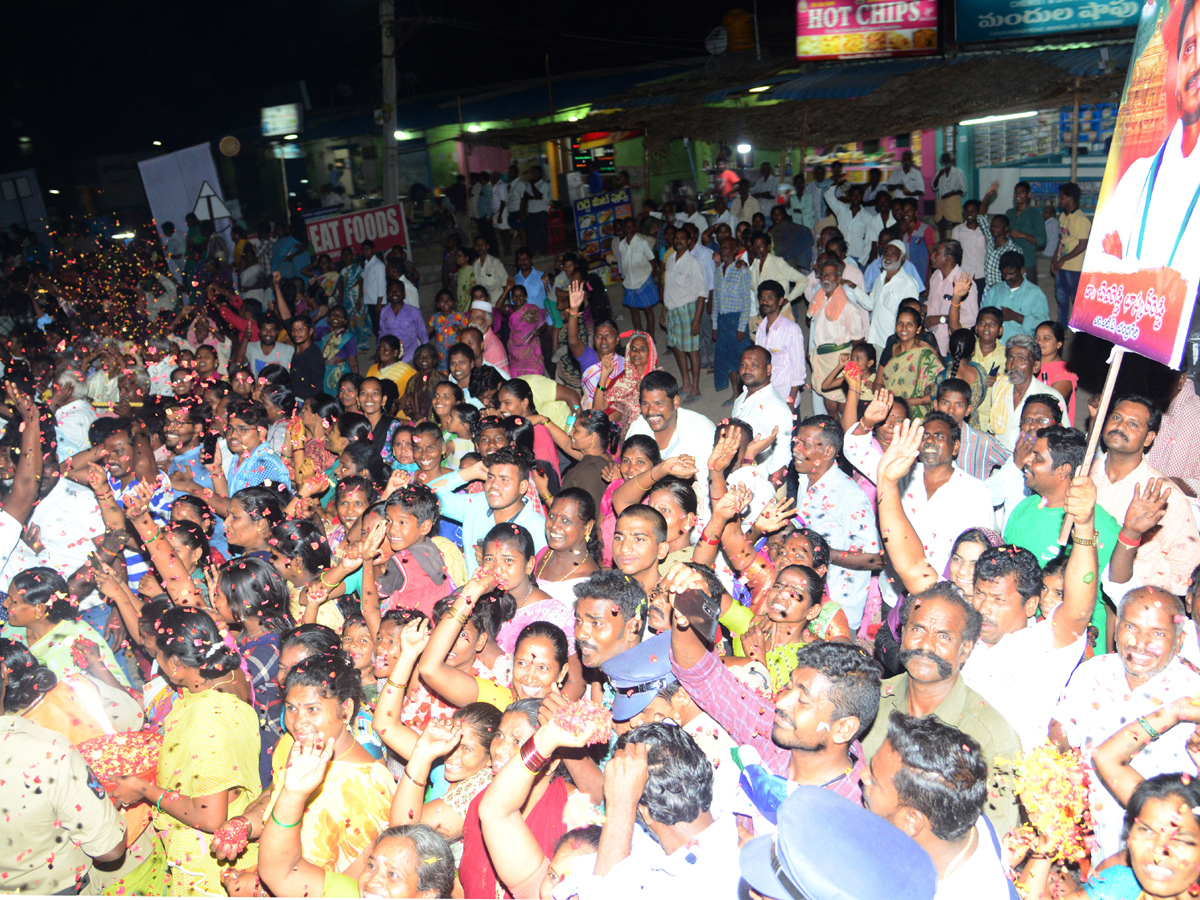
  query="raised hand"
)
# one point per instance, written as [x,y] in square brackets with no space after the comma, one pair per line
[902,452]
[307,762]
[775,515]
[414,637]
[397,480]
[682,466]
[1080,502]
[137,499]
[626,775]
[1148,506]
[962,287]
[761,443]
[878,406]
[724,450]
[439,738]
[576,296]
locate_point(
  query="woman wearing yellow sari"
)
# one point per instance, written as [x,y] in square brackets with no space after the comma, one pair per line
[208,766]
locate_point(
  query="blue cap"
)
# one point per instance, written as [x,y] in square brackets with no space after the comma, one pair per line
[638,674]
[828,848]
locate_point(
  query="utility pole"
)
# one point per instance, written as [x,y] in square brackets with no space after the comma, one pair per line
[391,164]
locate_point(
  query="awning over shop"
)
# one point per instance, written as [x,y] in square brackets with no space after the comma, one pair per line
[848,102]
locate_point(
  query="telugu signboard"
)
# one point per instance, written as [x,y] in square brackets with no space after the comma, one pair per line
[1141,267]
[596,221]
[384,225]
[847,29]
[989,20]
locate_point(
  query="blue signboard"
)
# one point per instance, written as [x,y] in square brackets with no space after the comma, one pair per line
[988,20]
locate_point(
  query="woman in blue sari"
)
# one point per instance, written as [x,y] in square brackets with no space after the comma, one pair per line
[339,348]
[352,289]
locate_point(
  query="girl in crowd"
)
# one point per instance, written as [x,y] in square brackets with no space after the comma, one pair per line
[1055,372]
[963,367]
[418,395]
[620,397]
[347,391]
[676,500]
[590,444]
[539,805]
[43,616]
[444,325]
[380,413]
[254,513]
[639,456]
[300,554]
[445,396]
[464,742]
[194,793]
[358,643]
[516,399]
[911,371]
[319,414]
[572,551]
[249,594]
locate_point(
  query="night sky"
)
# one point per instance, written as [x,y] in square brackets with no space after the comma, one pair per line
[88,79]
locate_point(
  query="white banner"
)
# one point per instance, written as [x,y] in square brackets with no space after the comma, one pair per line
[173,182]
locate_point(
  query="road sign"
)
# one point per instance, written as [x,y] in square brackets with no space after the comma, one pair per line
[209,205]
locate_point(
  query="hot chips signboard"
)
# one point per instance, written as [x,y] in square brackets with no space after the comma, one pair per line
[845,29]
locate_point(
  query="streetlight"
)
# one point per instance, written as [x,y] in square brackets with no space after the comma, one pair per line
[401,135]
[157,143]
[53,190]
[743,148]
[290,137]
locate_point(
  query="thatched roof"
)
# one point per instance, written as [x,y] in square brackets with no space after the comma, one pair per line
[932,96]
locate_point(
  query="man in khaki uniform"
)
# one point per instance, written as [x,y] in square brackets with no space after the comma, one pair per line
[55,819]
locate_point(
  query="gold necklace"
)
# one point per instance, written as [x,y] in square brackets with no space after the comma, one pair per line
[546,561]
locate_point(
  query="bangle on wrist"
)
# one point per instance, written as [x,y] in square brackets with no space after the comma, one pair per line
[712,542]
[1149,729]
[281,824]
[530,758]
[321,578]
[420,784]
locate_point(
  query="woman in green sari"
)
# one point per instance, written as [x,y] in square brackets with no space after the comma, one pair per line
[911,371]
[42,616]
[340,349]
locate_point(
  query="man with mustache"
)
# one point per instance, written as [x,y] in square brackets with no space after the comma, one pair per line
[940,629]
[610,617]
[1168,552]
[811,733]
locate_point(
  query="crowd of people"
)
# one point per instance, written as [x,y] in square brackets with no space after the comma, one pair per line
[363,608]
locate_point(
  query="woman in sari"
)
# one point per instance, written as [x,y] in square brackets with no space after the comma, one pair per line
[352,287]
[963,367]
[42,616]
[340,349]
[464,280]
[639,456]
[619,397]
[525,323]
[193,792]
[349,808]
[911,371]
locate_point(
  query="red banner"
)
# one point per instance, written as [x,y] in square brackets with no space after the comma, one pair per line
[384,225]
[1141,267]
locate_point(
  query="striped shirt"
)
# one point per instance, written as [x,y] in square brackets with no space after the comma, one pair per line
[979,453]
[991,264]
[732,293]
[749,718]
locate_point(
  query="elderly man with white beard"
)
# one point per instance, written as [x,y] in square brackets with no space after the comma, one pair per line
[891,288]
[1022,362]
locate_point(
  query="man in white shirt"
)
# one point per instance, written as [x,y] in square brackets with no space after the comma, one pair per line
[949,187]
[939,803]
[893,286]
[685,292]
[639,270]
[815,191]
[176,248]
[73,414]
[374,279]
[766,188]
[722,213]
[676,431]
[746,205]
[160,362]
[1115,690]
[490,273]
[500,213]
[874,186]
[766,266]
[1166,555]
[761,407]
[784,340]
[856,223]
[692,216]
[908,179]
[659,778]
[267,350]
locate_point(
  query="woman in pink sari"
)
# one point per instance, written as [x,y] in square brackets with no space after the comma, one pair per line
[525,322]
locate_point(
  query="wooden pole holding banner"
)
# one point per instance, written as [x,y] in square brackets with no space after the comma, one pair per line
[1114,368]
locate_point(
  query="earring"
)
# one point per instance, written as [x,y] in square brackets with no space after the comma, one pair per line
[39,612]
[587,535]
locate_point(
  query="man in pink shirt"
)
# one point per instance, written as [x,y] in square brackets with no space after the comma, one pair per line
[946,268]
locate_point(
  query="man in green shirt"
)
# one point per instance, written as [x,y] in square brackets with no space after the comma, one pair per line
[1026,225]
[940,628]
[1037,520]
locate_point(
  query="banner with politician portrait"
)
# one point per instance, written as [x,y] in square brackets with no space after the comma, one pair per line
[1141,267]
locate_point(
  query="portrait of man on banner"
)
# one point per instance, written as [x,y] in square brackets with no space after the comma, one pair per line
[1142,266]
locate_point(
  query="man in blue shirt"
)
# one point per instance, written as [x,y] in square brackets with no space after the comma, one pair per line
[186,423]
[505,475]
[254,462]
[1023,303]
[530,278]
